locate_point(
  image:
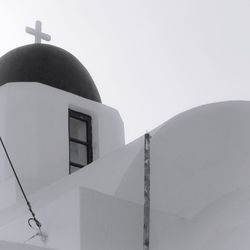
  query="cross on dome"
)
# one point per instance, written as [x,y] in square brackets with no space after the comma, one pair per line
[37,33]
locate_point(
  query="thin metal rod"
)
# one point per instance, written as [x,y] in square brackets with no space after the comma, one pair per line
[146,226]
[20,185]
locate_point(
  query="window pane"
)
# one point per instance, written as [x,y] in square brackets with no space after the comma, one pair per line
[78,153]
[78,129]
[73,169]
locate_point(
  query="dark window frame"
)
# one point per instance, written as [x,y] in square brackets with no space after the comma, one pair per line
[88,143]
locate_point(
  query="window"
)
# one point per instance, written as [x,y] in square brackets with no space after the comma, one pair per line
[80,140]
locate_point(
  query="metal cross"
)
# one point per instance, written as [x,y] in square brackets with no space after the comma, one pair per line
[37,32]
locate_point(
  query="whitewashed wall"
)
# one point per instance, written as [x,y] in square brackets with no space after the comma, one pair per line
[60,220]
[34,127]
[200,189]
[82,219]
[17,246]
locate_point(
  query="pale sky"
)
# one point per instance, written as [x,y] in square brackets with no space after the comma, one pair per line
[150,60]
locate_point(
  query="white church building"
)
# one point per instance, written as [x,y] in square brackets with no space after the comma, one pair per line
[86,186]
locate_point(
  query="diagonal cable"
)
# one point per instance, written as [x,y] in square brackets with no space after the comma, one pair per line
[37,222]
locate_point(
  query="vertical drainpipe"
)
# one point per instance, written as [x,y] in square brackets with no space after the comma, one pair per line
[146,226]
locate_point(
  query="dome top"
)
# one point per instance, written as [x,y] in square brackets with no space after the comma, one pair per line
[48,65]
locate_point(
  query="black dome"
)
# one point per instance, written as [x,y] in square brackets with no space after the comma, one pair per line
[49,65]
